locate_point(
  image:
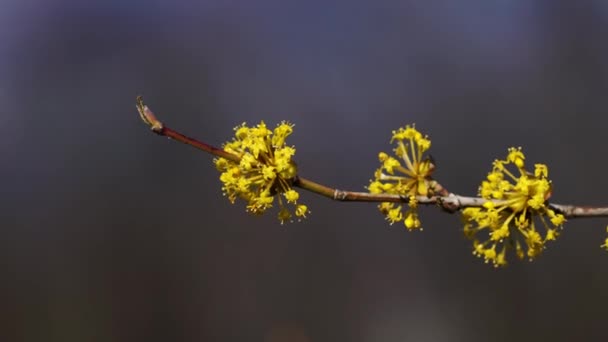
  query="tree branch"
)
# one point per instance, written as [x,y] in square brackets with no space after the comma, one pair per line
[447,201]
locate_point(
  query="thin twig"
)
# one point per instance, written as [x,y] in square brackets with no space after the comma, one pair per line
[448,201]
[572,211]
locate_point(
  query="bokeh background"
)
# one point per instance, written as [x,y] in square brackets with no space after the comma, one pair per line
[110,233]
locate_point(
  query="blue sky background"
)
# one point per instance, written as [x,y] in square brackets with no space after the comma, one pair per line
[110,233]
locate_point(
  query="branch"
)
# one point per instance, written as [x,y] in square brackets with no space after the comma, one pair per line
[573,211]
[447,201]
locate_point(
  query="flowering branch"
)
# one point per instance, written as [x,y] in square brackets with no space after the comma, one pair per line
[448,201]
[257,167]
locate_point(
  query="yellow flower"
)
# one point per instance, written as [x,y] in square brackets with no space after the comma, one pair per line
[409,176]
[516,208]
[265,170]
[411,220]
[302,210]
[394,215]
[605,245]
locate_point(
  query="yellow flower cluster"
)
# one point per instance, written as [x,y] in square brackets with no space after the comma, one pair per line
[264,170]
[410,179]
[515,204]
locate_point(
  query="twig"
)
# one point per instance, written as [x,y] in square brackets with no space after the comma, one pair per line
[572,211]
[159,128]
[448,201]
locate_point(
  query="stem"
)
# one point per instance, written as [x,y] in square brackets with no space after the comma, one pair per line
[159,128]
[168,132]
[572,211]
[448,201]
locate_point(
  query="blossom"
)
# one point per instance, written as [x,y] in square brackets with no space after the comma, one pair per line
[408,176]
[264,170]
[516,215]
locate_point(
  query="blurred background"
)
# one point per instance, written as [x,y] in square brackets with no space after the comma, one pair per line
[111,233]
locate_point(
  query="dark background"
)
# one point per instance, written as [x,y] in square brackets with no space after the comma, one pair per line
[110,233]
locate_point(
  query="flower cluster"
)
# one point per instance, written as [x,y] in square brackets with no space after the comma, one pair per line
[264,170]
[510,217]
[410,179]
